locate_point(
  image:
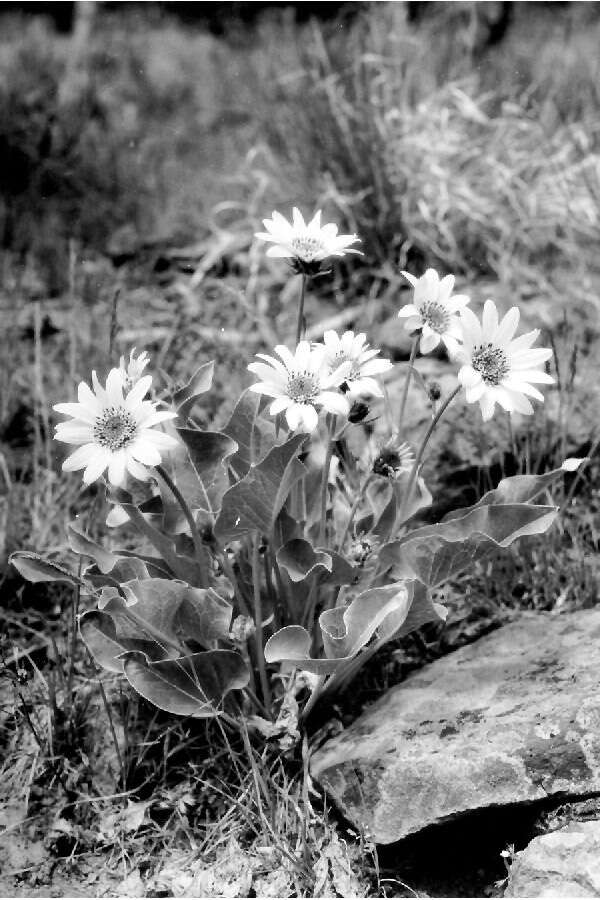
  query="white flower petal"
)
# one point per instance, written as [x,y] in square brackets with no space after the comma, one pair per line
[333,403]
[469,377]
[279,252]
[429,341]
[136,469]
[487,404]
[74,433]
[293,415]
[309,418]
[80,458]
[144,452]
[279,405]
[507,327]
[96,466]
[159,439]
[116,468]
[409,310]
[77,411]
[489,321]
[269,390]
[138,391]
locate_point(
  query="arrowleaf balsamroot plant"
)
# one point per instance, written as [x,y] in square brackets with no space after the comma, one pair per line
[272,564]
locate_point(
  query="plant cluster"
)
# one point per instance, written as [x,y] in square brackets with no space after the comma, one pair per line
[274,562]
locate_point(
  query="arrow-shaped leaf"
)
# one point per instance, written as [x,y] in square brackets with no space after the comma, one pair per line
[189,686]
[435,553]
[208,452]
[254,502]
[36,568]
[199,383]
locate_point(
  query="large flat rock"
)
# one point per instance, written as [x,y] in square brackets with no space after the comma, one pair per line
[513,717]
[564,863]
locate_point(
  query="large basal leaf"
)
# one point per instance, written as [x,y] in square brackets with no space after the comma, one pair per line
[421,612]
[127,568]
[252,434]
[208,452]
[188,686]
[290,646]
[199,383]
[147,610]
[300,560]
[390,519]
[254,503]
[99,633]
[519,489]
[83,545]
[347,629]
[204,616]
[435,553]
[33,567]
[181,567]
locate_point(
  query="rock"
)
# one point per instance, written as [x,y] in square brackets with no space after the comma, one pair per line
[564,863]
[513,717]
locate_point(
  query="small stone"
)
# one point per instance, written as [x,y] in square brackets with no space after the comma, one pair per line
[511,718]
[564,863]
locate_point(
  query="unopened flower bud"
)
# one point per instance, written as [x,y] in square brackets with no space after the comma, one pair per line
[360,551]
[358,411]
[393,460]
[434,390]
[242,628]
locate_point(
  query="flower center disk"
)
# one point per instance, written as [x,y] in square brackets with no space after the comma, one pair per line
[115,428]
[302,387]
[307,248]
[491,363]
[436,316]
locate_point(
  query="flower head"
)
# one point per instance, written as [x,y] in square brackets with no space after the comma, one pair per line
[307,244]
[134,369]
[116,431]
[352,348]
[393,459]
[496,366]
[435,311]
[300,383]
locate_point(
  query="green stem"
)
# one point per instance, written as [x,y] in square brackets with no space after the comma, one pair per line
[300,324]
[419,457]
[198,545]
[316,693]
[355,505]
[413,353]
[325,480]
[260,656]
[228,570]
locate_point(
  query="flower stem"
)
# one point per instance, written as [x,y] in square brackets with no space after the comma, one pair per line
[357,500]
[300,325]
[198,546]
[260,656]
[411,361]
[419,457]
[316,693]
[325,480]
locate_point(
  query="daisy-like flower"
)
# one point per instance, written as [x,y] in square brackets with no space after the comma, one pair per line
[393,459]
[353,348]
[496,366]
[300,383]
[134,369]
[307,244]
[116,431]
[435,311]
